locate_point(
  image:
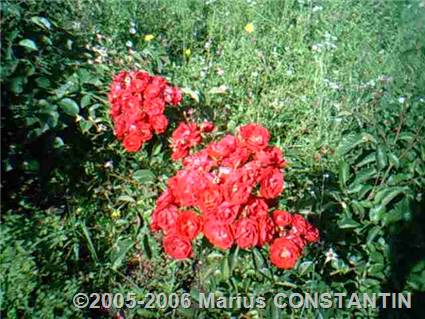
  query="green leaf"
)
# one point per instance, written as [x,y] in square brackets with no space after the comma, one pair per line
[386,195]
[144,176]
[126,198]
[347,222]
[43,82]
[86,233]
[41,22]
[225,269]
[394,160]
[69,106]
[352,140]
[85,100]
[119,252]
[344,171]
[58,142]
[16,85]
[381,157]
[85,125]
[28,44]
[376,213]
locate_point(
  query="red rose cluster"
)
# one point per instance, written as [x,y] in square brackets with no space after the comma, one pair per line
[224,191]
[137,103]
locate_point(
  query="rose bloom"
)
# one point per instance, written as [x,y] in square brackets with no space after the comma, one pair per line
[312,234]
[222,148]
[237,188]
[282,218]
[299,225]
[256,207]
[265,230]
[210,199]
[246,233]
[165,199]
[177,247]
[133,142]
[271,184]
[188,224]
[226,212]
[219,234]
[284,253]
[207,127]
[271,155]
[154,106]
[159,123]
[165,219]
[254,136]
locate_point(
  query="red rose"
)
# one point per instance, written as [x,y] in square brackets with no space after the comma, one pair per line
[207,127]
[164,200]
[237,188]
[218,234]
[133,142]
[265,230]
[186,187]
[179,153]
[299,225]
[254,136]
[270,156]
[188,224]
[177,247]
[226,212]
[312,234]
[256,207]
[199,160]
[271,183]
[237,158]
[176,96]
[154,106]
[296,239]
[246,233]
[282,218]
[284,253]
[223,148]
[159,123]
[210,199]
[165,219]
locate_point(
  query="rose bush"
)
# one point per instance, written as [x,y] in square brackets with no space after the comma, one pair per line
[229,186]
[138,102]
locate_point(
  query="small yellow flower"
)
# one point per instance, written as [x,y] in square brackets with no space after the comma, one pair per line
[249,27]
[116,214]
[187,52]
[149,37]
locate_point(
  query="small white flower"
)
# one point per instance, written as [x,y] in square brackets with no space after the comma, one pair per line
[401,99]
[317,8]
[133,30]
[129,44]
[330,255]
[220,71]
[108,164]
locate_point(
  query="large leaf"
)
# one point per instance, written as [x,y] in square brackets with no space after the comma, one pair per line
[69,106]
[28,44]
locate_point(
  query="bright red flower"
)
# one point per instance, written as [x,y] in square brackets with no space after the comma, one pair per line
[282,218]
[246,233]
[271,184]
[165,219]
[159,123]
[188,224]
[254,136]
[177,247]
[219,234]
[133,142]
[155,106]
[222,148]
[226,212]
[270,156]
[255,207]
[312,234]
[265,230]
[237,188]
[210,199]
[299,225]
[284,253]
[185,136]
[207,127]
